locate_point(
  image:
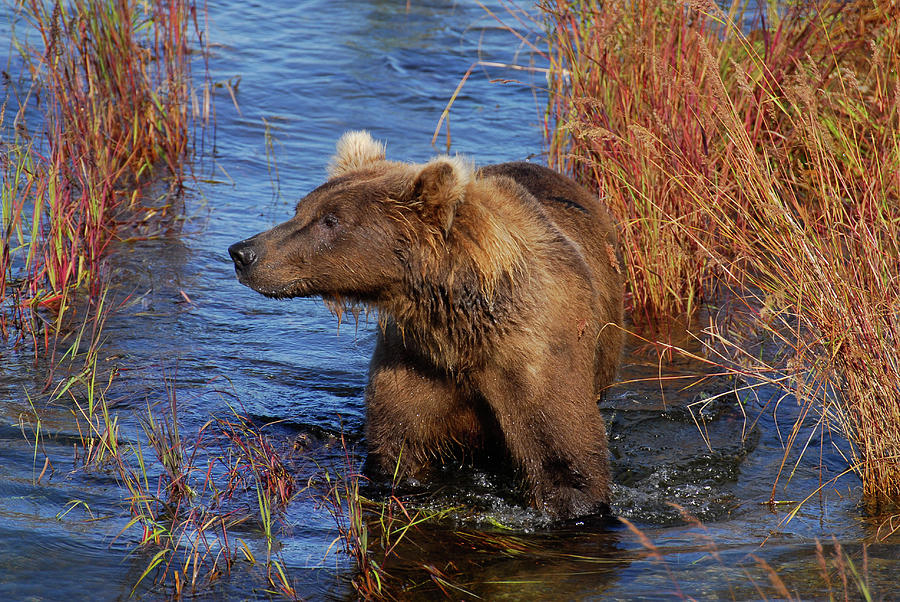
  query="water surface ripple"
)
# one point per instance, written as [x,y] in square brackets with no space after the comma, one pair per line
[302,74]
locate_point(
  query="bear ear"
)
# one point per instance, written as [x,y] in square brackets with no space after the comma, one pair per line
[438,190]
[355,150]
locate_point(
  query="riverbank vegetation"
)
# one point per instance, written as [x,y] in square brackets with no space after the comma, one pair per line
[97,132]
[756,172]
[95,140]
[759,170]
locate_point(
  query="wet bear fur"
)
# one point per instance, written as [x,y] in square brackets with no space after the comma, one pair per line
[499,293]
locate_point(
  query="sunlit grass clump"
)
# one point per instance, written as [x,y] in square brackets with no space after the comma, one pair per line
[107,112]
[764,163]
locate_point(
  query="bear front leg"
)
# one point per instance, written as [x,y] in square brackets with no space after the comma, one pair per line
[554,432]
[415,413]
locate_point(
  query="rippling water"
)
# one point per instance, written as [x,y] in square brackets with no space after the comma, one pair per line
[303,73]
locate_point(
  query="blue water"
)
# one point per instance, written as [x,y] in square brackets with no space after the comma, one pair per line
[302,73]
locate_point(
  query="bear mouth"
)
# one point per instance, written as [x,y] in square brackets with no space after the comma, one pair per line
[287,291]
[279,294]
[306,289]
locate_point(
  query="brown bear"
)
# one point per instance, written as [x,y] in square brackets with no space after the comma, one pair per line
[499,293]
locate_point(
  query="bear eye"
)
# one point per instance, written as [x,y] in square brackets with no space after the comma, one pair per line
[330,221]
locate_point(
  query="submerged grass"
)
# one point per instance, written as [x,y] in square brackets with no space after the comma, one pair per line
[761,166]
[836,575]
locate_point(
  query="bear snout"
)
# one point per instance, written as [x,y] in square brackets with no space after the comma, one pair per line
[243,254]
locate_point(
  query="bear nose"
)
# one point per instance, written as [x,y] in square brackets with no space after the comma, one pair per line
[242,254]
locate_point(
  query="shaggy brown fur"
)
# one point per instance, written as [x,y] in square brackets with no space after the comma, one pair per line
[500,293]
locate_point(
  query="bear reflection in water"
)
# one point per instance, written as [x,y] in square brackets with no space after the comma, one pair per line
[500,297]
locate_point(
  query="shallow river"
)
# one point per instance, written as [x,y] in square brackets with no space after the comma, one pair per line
[302,73]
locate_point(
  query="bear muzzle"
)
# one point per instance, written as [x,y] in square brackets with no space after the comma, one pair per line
[253,270]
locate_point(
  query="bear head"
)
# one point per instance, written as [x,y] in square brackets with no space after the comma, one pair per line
[353,238]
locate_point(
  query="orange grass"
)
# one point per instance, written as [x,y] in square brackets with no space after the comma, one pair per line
[766,162]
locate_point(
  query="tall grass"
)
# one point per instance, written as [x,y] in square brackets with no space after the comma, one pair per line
[627,123]
[96,152]
[766,162]
[112,82]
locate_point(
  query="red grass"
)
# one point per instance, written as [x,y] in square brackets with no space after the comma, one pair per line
[767,163]
[113,78]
